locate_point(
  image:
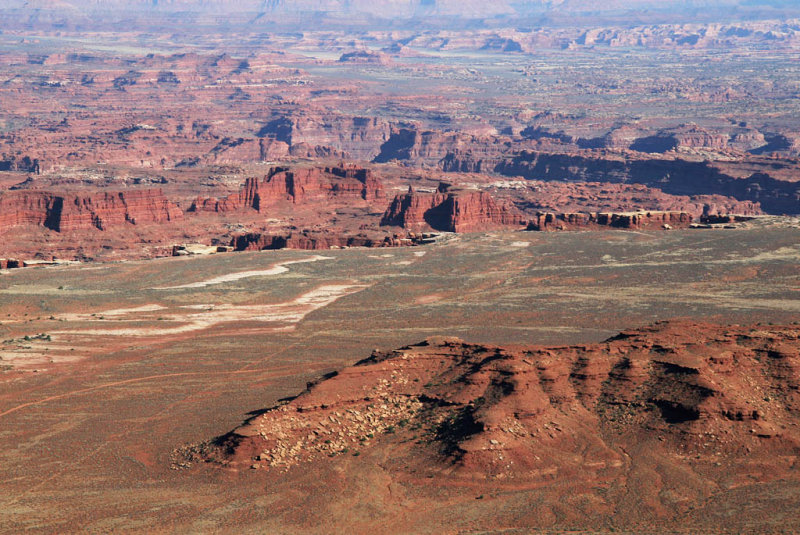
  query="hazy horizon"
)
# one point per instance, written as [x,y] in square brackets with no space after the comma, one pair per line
[308,15]
[397,8]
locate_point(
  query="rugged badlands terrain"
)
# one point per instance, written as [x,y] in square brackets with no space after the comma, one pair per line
[663,418]
[310,206]
[364,131]
[661,423]
[530,177]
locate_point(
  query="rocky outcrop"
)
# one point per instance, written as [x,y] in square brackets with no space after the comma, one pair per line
[572,197]
[687,137]
[247,197]
[78,212]
[26,208]
[10,263]
[460,153]
[298,186]
[367,57]
[452,151]
[24,164]
[719,205]
[450,210]
[308,240]
[674,176]
[697,394]
[300,130]
[540,155]
[593,221]
[114,209]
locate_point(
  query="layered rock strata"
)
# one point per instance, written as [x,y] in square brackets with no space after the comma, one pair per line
[260,241]
[450,210]
[628,220]
[673,176]
[62,213]
[298,186]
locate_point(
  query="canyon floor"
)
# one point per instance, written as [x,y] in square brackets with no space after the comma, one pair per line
[110,370]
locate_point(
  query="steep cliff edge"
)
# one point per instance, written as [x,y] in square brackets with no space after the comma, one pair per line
[674,176]
[574,197]
[645,220]
[298,186]
[319,240]
[770,182]
[453,151]
[62,213]
[451,210]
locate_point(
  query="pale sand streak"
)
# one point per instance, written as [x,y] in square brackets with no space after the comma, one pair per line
[277,269]
[290,312]
[126,311]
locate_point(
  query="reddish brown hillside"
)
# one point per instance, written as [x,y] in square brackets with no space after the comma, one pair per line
[713,401]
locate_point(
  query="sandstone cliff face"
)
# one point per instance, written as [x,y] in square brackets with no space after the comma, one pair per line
[298,186]
[674,176]
[315,184]
[450,210]
[573,197]
[247,197]
[107,210]
[477,159]
[462,152]
[536,157]
[687,137]
[698,394]
[76,212]
[593,221]
[316,129]
[257,241]
[452,151]
[25,208]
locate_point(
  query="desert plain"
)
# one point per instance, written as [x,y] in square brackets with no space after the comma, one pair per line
[128,362]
